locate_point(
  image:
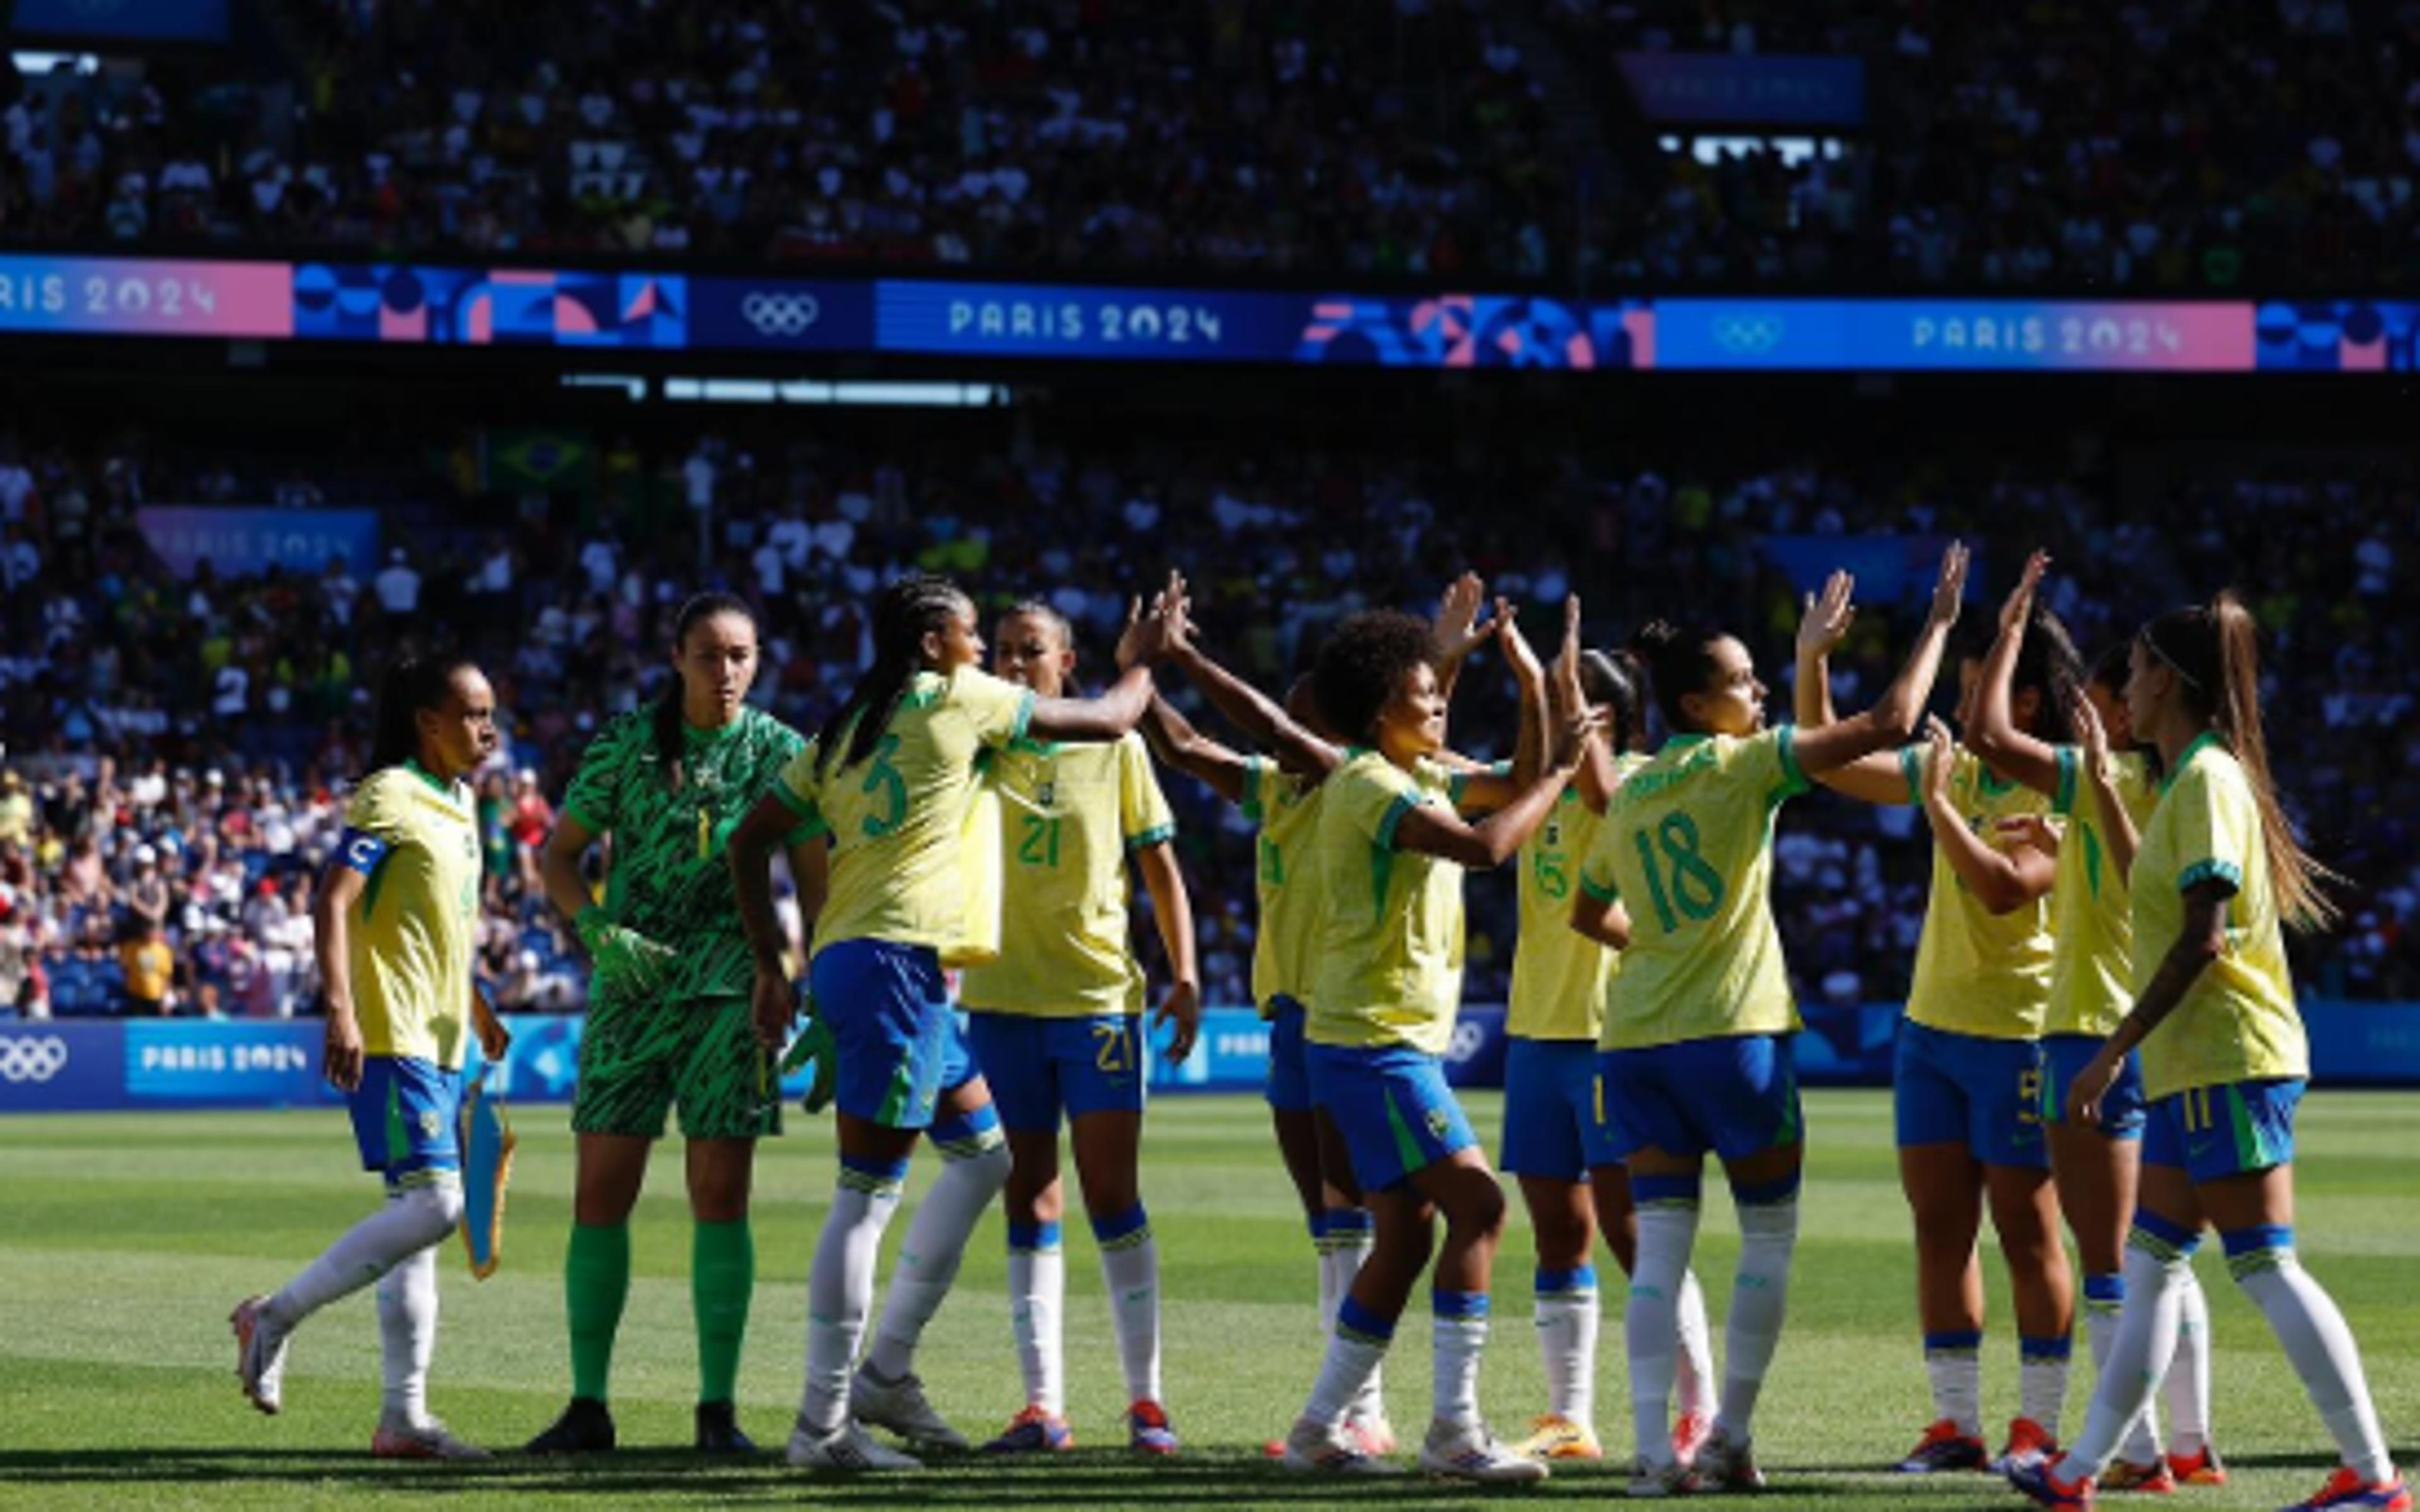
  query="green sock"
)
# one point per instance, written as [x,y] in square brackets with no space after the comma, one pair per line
[722,1278]
[595,1283]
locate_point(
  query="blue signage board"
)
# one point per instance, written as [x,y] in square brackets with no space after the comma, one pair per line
[1746,89]
[242,541]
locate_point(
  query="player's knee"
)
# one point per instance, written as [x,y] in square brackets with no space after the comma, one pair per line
[435,1206]
[989,1168]
[1478,1207]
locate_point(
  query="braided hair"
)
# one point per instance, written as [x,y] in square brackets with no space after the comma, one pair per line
[905,612]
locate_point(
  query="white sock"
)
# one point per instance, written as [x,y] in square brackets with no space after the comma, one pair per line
[1668,1230]
[1567,1316]
[2146,1331]
[2306,1322]
[1694,1376]
[2186,1390]
[937,1242]
[2104,1300]
[1760,1299]
[1321,1250]
[1458,1331]
[1130,1271]
[1953,1366]
[1037,1300]
[840,1290]
[407,1311]
[413,1218]
[2041,1380]
[1356,1347]
[1349,1237]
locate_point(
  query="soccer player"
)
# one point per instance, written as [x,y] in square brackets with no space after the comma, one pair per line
[888,781]
[1557,1010]
[1390,852]
[2105,788]
[393,927]
[1054,1022]
[1699,1020]
[668,1019]
[2225,1057]
[1967,1075]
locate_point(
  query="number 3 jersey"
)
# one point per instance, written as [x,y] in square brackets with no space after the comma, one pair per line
[897,817]
[1686,847]
[1069,816]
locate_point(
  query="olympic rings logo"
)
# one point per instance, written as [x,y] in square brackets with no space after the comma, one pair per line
[1747,333]
[780,314]
[32,1060]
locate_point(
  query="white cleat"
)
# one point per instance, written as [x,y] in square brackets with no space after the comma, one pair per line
[849,1450]
[901,1406]
[1724,1466]
[430,1440]
[259,1355]
[1665,1477]
[1467,1451]
[1324,1449]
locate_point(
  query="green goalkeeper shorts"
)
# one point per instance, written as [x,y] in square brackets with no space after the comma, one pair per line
[639,1058]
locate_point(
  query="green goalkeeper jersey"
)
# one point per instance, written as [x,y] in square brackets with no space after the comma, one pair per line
[667,879]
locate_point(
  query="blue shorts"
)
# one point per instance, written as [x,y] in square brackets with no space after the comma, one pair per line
[406,1118]
[892,1026]
[1549,1108]
[1736,1096]
[1289,1085]
[1039,1068]
[1393,1106]
[1963,1089]
[2064,1056]
[2211,1133]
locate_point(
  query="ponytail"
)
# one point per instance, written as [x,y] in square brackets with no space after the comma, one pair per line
[905,612]
[2047,662]
[2214,650]
[1679,662]
[671,747]
[411,684]
[1617,680]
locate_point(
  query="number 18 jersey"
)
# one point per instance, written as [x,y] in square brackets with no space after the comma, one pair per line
[1686,847]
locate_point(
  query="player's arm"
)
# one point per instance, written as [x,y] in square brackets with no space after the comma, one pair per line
[749,854]
[1491,788]
[558,866]
[2002,880]
[1433,830]
[1263,721]
[1601,919]
[2117,826]
[1995,735]
[1858,742]
[2202,941]
[1116,713]
[1171,908]
[494,1038]
[811,875]
[331,907]
[1868,773]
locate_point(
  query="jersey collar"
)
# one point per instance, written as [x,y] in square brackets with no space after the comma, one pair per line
[411,764]
[2201,741]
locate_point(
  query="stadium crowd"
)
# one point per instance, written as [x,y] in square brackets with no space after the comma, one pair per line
[177,751]
[2215,144]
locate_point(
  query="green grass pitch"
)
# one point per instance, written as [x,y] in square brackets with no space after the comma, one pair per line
[124,1241]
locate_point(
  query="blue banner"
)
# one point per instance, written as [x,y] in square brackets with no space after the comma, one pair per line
[1996,336]
[1746,89]
[1063,321]
[781,314]
[45,1067]
[239,543]
[147,21]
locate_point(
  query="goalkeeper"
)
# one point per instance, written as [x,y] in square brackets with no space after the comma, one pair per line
[668,1011]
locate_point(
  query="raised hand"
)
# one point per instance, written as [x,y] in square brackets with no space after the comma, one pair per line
[2092,736]
[2038,831]
[1824,619]
[1456,626]
[1940,758]
[1522,656]
[1564,674]
[1149,635]
[1949,589]
[2020,604]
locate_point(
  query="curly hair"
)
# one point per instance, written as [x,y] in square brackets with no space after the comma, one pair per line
[1362,664]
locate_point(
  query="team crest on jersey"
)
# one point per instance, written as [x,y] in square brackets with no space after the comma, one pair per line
[1047,794]
[1554,834]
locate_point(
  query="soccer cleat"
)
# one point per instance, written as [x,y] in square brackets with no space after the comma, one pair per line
[2038,1479]
[1322,1449]
[1467,1451]
[718,1430]
[2348,1489]
[2154,1479]
[1554,1437]
[1372,1431]
[1651,1478]
[430,1439]
[2028,1440]
[2200,1468]
[1689,1430]
[901,1406]
[1724,1466]
[259,1355]
[848,1448]
[1032,1432]
[1147,1429]
[1943,1447]
[585,1428]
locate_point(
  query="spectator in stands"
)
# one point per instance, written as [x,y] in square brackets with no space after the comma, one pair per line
[150,970]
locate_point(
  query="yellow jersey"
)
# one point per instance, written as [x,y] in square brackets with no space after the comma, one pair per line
[1069,815]
[1559,975]
[1390,937]
[1978,973]
[1686,847]
[2238,1022]
[411,938]
[1286,806]
[2090,974]
[898,819]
